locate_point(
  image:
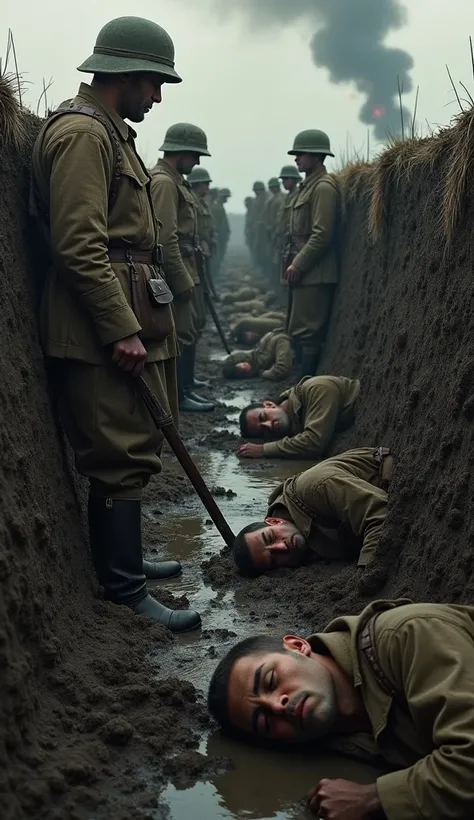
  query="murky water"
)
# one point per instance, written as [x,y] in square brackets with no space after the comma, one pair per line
[262,784]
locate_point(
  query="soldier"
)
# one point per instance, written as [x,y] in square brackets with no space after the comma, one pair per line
[333,511]
[271,359]
[394,683]
[105,313]
[274,204]
[258,236]
[250,329]
[311,263]
[221,223]
[230,297]
[290,178]
[248,202]
[303,422]
[176,206]
[200,180]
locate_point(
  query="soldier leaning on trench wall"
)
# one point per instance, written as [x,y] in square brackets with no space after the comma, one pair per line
[106,308]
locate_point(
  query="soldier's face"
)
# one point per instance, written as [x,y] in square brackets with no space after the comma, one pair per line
[186,162]
[305,162]
[275,189]
[288,183]
[284,696]
[279,544]
[243,369]
[203,188]
[139,94]
[269,421]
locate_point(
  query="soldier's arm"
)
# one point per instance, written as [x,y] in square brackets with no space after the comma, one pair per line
[81,165]
[166,204]
[320,422]
[323,218]
[358,505]
[283,361]
[431,661]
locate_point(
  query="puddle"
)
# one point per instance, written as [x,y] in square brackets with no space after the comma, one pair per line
[262,784]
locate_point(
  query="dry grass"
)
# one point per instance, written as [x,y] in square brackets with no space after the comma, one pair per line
[450,154]
[12,124]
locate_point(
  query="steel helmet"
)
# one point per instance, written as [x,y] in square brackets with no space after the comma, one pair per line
[290,172]
[197,175]
[130,44]
[185,137]
[311,142]
[274,182]
[224,192]
[258,186]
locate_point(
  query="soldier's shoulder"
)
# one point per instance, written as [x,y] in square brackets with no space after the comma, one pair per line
[413,616]
[68,125]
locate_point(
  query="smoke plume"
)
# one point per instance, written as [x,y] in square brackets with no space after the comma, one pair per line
[349,41]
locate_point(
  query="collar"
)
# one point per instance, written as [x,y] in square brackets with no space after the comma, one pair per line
[164,166]
[320,172]
[95,99]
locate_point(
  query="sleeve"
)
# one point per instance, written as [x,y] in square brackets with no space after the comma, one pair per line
[81,172]
[323,218]
[432,659]
[320,422]
[283,361]
[166,203]
[358,505]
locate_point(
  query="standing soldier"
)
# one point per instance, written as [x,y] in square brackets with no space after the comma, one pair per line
[273,206]
[176,207]
[259,243]
[290,178]
[105,313]
[248,202]
[311,262]
[221,224]
[199,181]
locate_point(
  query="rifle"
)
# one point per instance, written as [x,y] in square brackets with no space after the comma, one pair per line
[164,422]
[203,275]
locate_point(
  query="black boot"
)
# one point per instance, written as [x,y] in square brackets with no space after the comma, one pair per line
[309,362]
[160,570]
[189,357]
[116,546]
[199,383]
[186,404]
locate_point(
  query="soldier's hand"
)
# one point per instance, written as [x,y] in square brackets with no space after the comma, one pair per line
[185,296]
[130,355]
[265,374]
[250,451]
[343,800]
[292,274]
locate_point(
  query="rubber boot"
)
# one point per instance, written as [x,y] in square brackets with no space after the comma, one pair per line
[160,570]
[189,359]
[199,383]
[116,546]
[309,362]
[186,404]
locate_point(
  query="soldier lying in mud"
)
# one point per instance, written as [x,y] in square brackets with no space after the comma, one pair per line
[248,330]
[303,421]
[334,510]
[395,683]
[271,359]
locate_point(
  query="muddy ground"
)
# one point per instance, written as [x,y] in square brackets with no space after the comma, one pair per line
[102,714]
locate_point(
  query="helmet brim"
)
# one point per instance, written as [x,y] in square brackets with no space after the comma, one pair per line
[111,64]
[294,153]
[180,148]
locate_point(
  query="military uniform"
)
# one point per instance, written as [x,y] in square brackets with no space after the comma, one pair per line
[317,407]
[339,505]
[91,194]
[312,248]
[248,222]
[241,295]
[258,233]
[413,666]
[260,325]
[221,224]
[272,358]
[271,216]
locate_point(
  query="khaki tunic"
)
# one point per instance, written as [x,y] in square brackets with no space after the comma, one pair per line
[176,208]
[261,325]
[273,356]
[86,302]
[241,295]
[317,407]
[259,238]
[424,726]
[221,223]
[338,505]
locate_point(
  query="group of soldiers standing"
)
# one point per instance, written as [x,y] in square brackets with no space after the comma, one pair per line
[293,240]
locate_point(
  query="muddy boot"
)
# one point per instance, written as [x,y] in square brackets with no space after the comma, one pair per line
[186,404]
[116,546]
[160,570]
[199,383]
[309,362]
[189,357]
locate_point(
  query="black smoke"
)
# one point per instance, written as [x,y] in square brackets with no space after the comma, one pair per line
[349,41]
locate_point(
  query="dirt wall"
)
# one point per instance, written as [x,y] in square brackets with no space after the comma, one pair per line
[84,729]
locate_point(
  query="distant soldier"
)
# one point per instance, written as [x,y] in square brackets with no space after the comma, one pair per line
[290,178]
[176,208]
[106,315]
[248,202]
[248,330]
[271,359]
[258,235]
[311,263]
[200,180]
[274,204]
[221,223]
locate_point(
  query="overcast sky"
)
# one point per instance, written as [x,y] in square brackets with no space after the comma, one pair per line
[251,90]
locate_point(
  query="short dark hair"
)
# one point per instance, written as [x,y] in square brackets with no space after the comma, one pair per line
[219,685]
[241,552]
[244,428]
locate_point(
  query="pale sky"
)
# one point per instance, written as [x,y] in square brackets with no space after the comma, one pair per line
[250,91]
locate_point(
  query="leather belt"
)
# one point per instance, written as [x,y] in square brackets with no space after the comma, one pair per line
[131,255]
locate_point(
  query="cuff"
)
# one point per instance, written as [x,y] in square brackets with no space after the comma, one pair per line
[395,796]
[271,450]
[111,314]
[180,282]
